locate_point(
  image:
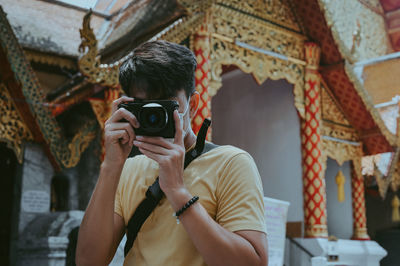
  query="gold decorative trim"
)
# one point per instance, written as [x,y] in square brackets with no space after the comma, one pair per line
[245,29]
[183,29]
[330,110]
[340,181]
[276,11]
[194,6]
[278,39]
[339,131]
[79,143]
[13,129]
[52,60]
[101,109]
[234,25]
[340,152]
[64,153]
[89,63]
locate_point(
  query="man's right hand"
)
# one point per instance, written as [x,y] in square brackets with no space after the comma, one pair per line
[119,136]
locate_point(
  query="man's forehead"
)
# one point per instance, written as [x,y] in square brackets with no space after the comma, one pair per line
[141,95]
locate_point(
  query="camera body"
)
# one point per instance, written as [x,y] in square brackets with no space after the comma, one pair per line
[156,118]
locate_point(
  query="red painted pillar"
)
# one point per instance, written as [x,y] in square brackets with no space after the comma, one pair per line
[201,46]
[315,215]
[358,202]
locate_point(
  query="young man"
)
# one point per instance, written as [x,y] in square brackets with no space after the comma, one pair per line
[224,227]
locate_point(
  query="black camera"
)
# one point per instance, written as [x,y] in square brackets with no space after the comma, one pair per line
[156,118]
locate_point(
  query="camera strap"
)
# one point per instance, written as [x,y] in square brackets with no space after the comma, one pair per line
[154,194]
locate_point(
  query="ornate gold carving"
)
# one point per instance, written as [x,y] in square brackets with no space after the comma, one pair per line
[101,110]
[341,152]
[234,25]
[313,56]
[339,132]
[182,29]
[277,11]
[89,63]
[229,22]
[238,26]
[12,128]
[395,209]
[79,143]
[194,6]
[342,17]
[330,110]
[65,152]
[340,181]
[51,60]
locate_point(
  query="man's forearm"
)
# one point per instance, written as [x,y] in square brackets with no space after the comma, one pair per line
[96,234]
[217,245]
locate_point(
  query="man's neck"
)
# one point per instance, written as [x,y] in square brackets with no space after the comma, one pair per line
[189,140]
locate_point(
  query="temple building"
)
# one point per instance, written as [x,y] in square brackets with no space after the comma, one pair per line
[310,88]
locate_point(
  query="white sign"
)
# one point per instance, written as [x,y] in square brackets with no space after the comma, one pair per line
[35,201]
[275,218]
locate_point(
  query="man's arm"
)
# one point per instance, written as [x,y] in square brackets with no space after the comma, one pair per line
[101,229]
[217,245]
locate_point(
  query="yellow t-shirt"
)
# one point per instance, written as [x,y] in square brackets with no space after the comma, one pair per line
[229,186]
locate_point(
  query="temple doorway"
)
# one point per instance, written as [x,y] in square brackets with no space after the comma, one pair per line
[8,165]
[263,120]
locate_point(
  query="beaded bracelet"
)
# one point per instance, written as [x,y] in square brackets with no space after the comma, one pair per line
[185,207]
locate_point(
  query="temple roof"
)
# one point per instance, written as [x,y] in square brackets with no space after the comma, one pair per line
[48,26]
[340,78]
[53,26]
[138,22]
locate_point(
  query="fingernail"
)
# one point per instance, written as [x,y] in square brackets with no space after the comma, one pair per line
[135,142]
[139,137]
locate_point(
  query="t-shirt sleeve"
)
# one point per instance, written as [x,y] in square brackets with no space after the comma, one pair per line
[240,195]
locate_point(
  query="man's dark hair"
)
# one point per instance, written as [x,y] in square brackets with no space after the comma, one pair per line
[159,69]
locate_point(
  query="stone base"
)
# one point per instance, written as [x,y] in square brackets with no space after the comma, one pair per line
[349,252]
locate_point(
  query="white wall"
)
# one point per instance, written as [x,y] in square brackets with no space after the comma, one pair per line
[263,121]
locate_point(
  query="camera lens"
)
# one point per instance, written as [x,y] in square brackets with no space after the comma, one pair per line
[153,117]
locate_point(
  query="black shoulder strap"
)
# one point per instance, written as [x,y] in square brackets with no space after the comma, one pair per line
[154,193]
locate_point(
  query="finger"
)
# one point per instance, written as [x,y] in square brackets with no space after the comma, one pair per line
[115,103]
[151,155]
[151,147]
[118,135]
[122,126]
[159,141]
[122,113]
[178,129]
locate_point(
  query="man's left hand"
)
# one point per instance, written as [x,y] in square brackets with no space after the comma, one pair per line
[169,156]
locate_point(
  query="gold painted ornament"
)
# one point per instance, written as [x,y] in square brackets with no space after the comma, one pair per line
[340,181]
[395,209]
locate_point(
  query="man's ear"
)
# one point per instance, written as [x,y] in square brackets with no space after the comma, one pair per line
[194,103]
